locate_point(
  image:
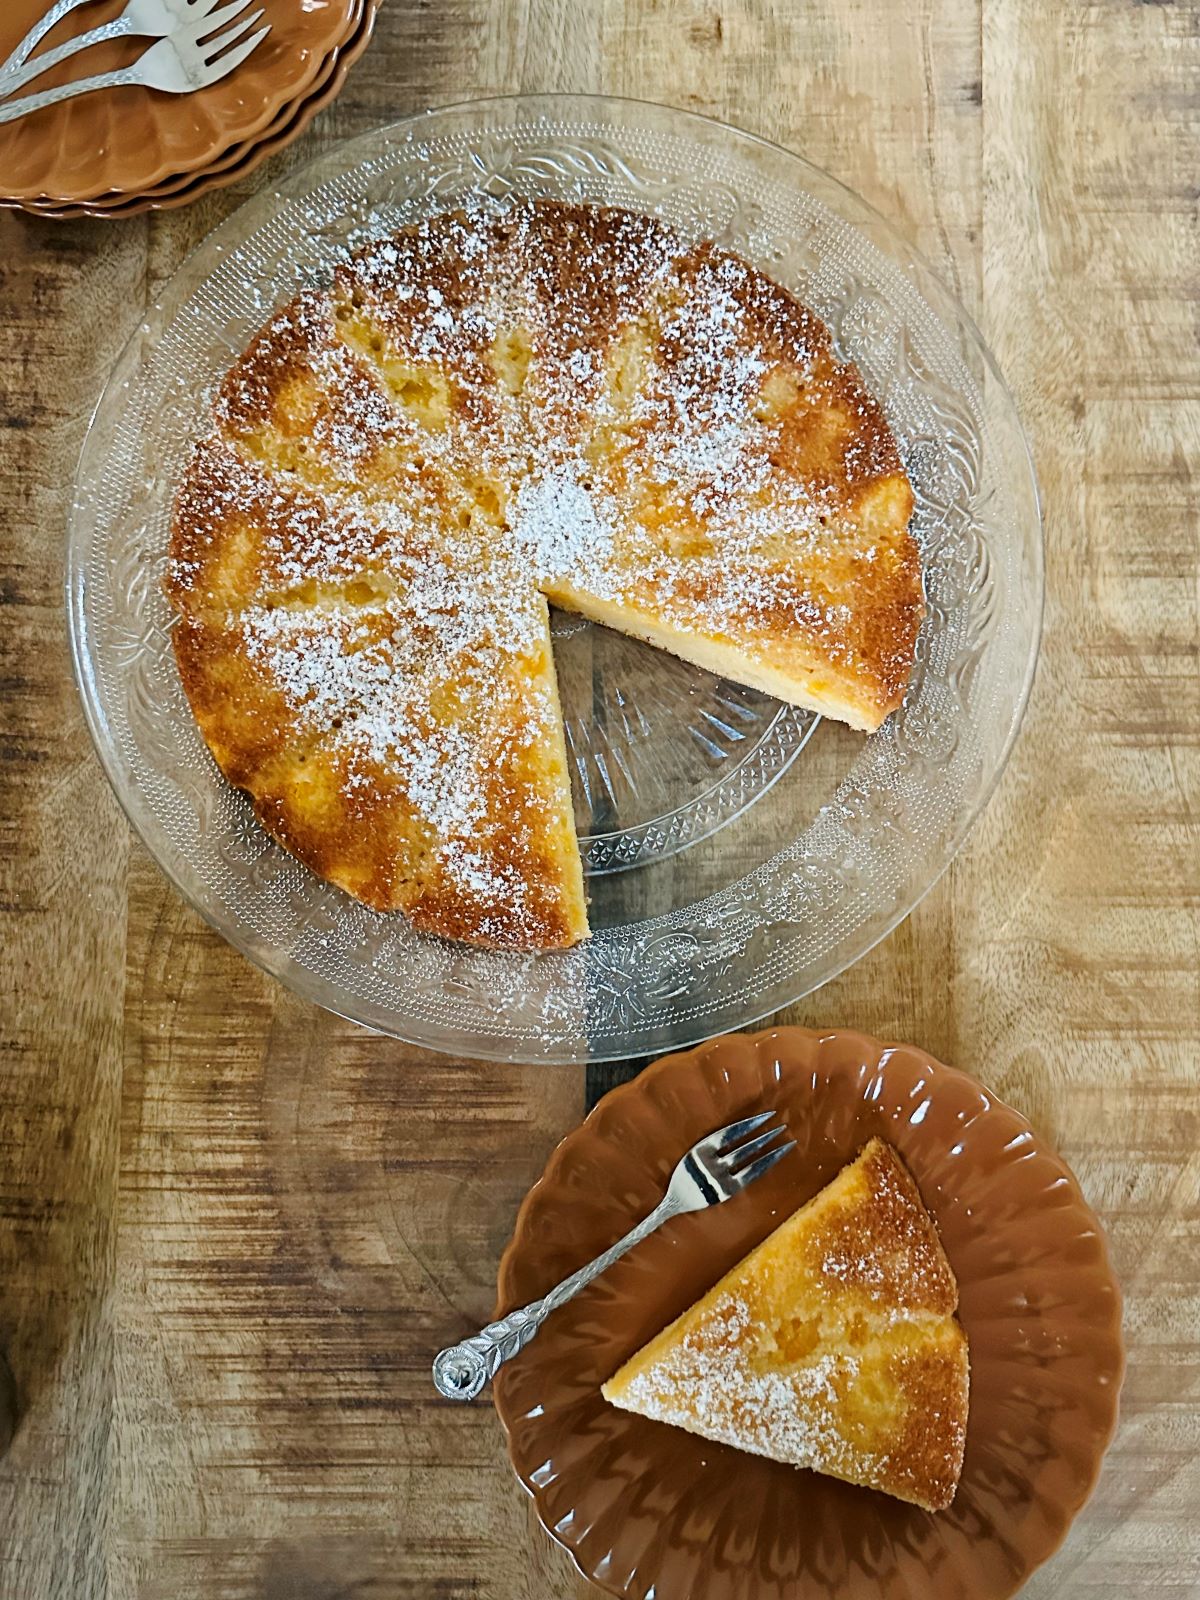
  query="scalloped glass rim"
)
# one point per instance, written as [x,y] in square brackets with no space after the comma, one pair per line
[800,917]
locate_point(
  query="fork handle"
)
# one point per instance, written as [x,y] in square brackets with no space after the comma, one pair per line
[461,1371]
[68,91]
[10,82]
[37,33]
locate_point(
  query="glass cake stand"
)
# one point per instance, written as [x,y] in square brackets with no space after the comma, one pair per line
[740,853]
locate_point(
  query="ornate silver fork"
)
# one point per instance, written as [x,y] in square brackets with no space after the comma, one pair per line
[153,19]
[716,1168]
[186,61]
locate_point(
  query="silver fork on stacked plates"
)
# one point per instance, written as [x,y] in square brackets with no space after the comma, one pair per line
[716,1168]
[193,51]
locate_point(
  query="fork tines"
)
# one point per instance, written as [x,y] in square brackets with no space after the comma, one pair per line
[724,1137]
[747,1159]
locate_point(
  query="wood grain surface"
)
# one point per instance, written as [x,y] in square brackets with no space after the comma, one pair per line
[233,1229]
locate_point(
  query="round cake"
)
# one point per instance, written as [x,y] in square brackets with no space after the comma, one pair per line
[483,415]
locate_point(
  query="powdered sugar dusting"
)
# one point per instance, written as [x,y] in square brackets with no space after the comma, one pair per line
[481,409]
[714,1381]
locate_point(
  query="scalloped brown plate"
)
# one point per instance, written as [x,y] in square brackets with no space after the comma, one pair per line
[650,1512]
[128,140]
[242,159]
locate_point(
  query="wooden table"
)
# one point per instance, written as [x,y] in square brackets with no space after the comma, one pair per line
[234,1228]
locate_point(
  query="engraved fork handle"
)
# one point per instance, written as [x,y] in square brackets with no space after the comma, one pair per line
[461,1371]
[16,76]
[50,97]
[37,33]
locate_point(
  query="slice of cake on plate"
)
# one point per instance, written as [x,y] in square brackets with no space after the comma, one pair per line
[833,1345]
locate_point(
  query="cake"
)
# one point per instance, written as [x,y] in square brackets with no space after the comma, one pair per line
[834,1345]
[485,414]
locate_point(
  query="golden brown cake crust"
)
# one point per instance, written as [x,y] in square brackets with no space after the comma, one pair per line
[484,412]
[833,1345]
[880,1242]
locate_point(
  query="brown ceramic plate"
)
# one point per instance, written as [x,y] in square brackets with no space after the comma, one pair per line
[130,139]
[232,162]
[239,162]
[650,1511]
[237,154]
[242,159]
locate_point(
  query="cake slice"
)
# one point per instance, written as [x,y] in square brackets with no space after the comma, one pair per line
[833,1345]
[386,729]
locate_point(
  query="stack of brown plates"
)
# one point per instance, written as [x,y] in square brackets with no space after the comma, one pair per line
[119,151]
